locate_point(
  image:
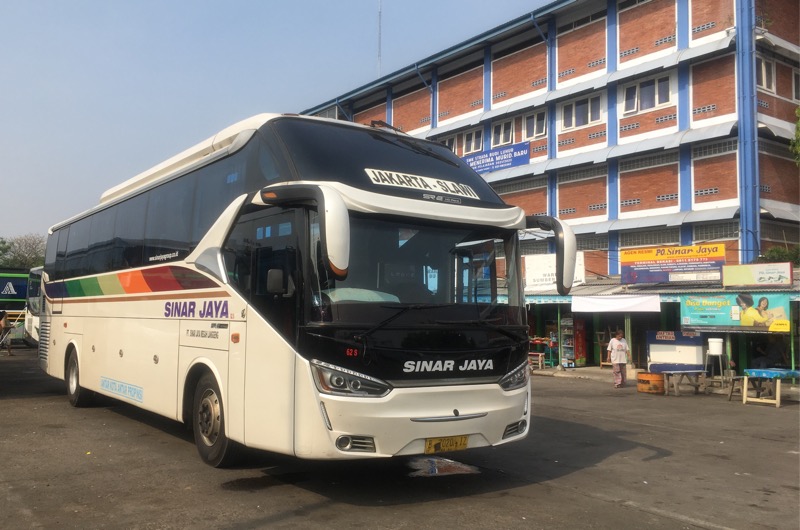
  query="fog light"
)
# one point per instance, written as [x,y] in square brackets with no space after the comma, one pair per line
[344,443]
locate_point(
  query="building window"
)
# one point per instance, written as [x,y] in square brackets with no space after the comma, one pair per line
[473,141]
[765,74]
[716,231]
[536,125]
[647,95]
[580,113]
[502,133]
[450,142]
[796,85]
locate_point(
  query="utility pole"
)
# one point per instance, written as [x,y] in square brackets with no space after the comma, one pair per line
[380,10]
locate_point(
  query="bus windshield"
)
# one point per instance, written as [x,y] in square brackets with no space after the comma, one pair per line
[459,275]
[399,164]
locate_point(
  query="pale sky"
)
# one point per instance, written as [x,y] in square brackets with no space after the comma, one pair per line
[93,92]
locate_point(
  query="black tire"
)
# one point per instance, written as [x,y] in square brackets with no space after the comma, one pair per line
[208,424]
[78,396]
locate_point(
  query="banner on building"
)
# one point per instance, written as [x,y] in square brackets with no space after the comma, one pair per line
[672,264]
[736,312]
[540,271]
[758,275]
[500,158]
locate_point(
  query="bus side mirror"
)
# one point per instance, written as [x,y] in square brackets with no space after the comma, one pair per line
[333,216]
[565,249]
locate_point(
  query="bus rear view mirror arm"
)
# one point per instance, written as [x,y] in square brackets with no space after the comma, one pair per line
[565,248]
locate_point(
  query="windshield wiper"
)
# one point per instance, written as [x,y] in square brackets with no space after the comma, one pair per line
[487,325]
[403,310]
[413,146]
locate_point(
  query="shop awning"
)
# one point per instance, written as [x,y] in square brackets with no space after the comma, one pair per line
[783,213]
[703,133]
[711,214]
[670,219]
[650,303]
[600,227]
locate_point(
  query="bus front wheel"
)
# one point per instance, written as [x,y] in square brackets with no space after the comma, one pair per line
[78,396]
[208,424]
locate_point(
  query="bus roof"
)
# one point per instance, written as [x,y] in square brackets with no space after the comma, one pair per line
[224,138]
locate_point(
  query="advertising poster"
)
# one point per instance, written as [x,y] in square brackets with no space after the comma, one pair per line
[672,264]
[736,312]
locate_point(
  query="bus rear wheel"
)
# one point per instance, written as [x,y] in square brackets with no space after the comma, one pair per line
[208,424]
[78,396]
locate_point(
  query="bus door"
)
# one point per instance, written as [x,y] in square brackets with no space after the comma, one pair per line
[261,258]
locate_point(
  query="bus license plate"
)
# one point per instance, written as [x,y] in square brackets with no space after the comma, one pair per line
[442,445]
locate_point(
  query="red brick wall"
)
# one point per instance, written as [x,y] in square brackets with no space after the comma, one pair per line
[457,93]
[641,26]
[536,144]
[646,185]
[595,262]
[718,12]
[783,80]
[515,73]
[532,201]
[716,172]
[580,47]
[581,137]
[375,113]
[781,175]
[714,83]
[412,111]
[580,195]
[776,107]
[647,121]
[781,17]
[731,252]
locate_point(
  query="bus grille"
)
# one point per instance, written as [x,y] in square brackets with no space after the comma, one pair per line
[44,340]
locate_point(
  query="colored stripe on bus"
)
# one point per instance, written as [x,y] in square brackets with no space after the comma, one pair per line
[158,279]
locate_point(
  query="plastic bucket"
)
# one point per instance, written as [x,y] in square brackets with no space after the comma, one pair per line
[715,346]
[650,383]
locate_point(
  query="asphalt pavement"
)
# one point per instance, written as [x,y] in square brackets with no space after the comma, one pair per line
[595,457]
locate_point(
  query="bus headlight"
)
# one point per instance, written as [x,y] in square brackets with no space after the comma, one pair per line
[516,378]
[340,381]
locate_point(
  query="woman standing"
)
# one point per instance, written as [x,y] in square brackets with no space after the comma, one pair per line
[618,353]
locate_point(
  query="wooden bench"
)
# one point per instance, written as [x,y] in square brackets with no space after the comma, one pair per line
[695,378]
[536,359]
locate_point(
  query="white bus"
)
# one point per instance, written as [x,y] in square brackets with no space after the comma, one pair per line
[303,286]
[33,306]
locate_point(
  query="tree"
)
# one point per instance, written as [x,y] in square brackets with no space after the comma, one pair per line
[780,255]
[794,144]
[22,252]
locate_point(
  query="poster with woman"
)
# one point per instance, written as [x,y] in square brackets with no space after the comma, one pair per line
[736,312]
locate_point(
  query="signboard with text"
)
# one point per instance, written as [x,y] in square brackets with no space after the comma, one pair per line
[672,264]
[540,271]
[500,158]
[736,312]
[758,275]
